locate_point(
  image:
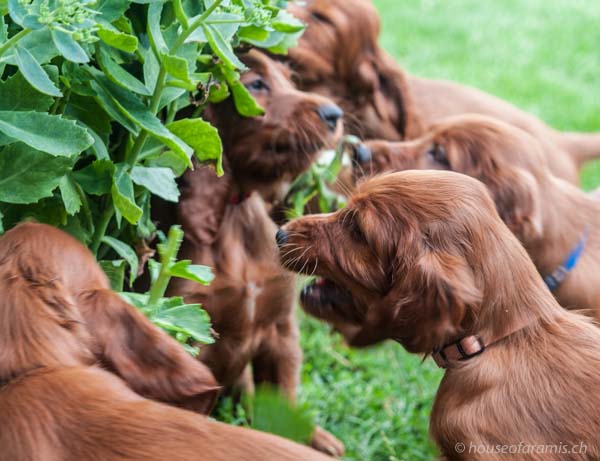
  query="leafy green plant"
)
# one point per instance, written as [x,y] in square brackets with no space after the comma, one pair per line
[316,182]
[184,322]
[269,411]
[89,101]
[93,99]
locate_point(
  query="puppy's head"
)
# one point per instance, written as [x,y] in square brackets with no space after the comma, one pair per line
[57,310]
[334,49]
[507,160]
[284,141]
[407,259]
[339,56]
[40,325]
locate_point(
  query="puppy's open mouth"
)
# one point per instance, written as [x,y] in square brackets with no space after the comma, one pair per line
[323,293]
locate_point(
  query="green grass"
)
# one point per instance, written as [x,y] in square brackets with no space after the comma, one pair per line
[542,55]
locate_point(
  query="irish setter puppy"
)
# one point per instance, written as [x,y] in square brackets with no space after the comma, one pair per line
[339,56]
[59,324]
[228,226]
[556,222]
[423,258]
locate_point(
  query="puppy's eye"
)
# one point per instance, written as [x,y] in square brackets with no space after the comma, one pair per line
[257,85]
[356,232]
[320,17]
[438,154]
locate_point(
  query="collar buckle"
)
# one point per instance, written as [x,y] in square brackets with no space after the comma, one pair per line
[464,349]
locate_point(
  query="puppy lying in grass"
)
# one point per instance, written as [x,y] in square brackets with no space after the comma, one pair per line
[228,227]
[77,363]
[556,222]
[423,258]
[339,56]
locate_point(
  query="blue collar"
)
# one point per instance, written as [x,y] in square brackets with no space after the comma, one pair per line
[558,275]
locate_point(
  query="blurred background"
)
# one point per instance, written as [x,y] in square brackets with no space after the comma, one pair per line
[543,56]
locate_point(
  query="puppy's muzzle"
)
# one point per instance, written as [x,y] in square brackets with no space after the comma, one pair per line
[331,115]
[361,154]
[281,237]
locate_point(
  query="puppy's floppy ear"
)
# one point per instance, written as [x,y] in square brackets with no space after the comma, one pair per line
[152,363]
[202,205]
[448,291]
[517,198]
[442,291]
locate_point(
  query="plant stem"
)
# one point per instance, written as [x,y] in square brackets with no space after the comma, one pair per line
[138,145]
[180,13]
[162,77]
[167,257]
[13,40]
[102,225]
[186,33]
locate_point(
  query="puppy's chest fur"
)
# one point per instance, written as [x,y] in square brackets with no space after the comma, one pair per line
[247,265]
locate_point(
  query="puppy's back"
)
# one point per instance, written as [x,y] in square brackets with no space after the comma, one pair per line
[82,414]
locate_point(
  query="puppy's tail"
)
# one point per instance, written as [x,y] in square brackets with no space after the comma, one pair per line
[582,146]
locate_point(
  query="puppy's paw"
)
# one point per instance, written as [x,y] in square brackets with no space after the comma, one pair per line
[327,443]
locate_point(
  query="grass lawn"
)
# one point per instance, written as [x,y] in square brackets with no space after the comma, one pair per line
[542,55]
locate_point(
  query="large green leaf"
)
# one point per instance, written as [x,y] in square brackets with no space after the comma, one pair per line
[125,252]
[70,194]
[189,319]
[115,271]
[176,66]
[227,28]
[105,100]
[123,196]
[136,111]
[118,40]
[159,181]
[27,175]
[221,47]
[34,73]
[154,30]
[244,102]
[272,412]
[186,270]
[286,22]
[111,10]
[119,75]
[203,138]
[17,94]
[59,136]
[68,47]
[39,43]
[96,178]
[170,160]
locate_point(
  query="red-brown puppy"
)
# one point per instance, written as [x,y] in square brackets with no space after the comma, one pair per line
[339,56]
[227,226]
[57,320]
[123,339]
[423,258]
[556,221]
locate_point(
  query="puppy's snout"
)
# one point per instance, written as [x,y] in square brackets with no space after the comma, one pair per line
[331,114]
[361,154]
[281,237]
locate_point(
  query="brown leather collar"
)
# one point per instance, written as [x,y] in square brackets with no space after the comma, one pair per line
[465,349]
[238,198]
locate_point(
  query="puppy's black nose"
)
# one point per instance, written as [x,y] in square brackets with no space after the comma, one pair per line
[330,114]
[362,154]
[281,237]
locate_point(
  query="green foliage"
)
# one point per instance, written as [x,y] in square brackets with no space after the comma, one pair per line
[185,322]
[269,411]
[92,97]
[317,181]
